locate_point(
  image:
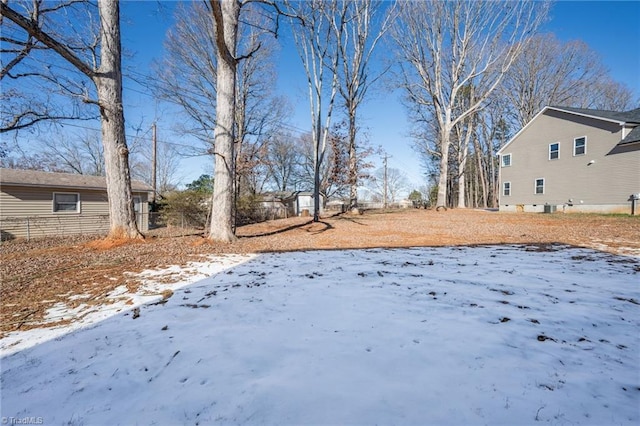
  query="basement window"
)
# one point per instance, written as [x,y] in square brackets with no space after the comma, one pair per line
[66,202]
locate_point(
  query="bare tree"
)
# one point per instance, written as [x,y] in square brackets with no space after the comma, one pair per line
[614,96]
[104,70]
[332,173]
[258,111]
[34,91]
[187,73]
[446,46]
[356,42]
[284,159]
[463,134]
[226,14]
[190,76]
[550,72]
[167,167]
[493,131]
[167,162]
[392,181]
[83,154]
[313,25]
[12,156]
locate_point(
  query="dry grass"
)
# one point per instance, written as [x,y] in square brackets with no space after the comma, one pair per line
[35,275]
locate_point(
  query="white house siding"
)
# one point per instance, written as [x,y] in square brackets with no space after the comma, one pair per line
[604,185]
[305,202]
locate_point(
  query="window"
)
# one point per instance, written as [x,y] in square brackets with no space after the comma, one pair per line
[506,160]
[136,204]
[580,146]
[540,186]
[554,151]
[506,189]
[66,202]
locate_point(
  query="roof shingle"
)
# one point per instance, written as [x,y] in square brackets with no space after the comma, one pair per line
[633,136]
[632,116]
[15,177]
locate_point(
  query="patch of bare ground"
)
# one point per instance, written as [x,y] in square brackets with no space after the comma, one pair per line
[35,275]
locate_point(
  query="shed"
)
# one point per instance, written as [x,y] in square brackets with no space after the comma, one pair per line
[293,203]
[39,204]
[305,203]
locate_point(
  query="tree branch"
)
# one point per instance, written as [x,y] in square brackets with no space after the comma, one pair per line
[220,41]
[28,46]
[32,28]
[36,117]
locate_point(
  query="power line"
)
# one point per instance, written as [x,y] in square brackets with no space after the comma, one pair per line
[135,137]
[182,89]
[160,86]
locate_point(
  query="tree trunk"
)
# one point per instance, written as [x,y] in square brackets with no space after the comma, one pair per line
[353,163]
[481,173]
[108,82]
[462,165]
[445,142]
[227,13]
[493,179]
[462,179]
[316,181]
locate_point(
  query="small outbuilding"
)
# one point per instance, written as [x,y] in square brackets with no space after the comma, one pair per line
[304,203]
[39,204]
[290,203]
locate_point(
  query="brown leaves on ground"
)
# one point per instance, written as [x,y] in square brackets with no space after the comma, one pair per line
[35,275]
[111,243]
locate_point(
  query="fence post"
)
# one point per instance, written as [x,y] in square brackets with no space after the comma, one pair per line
[28,230]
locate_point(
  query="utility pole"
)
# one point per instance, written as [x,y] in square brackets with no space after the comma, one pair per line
[154,153]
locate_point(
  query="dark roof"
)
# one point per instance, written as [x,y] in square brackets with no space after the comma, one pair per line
[626,119]
[632,137]
[15,177]
[632,116]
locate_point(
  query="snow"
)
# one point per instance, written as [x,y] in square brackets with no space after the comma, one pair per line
[120,299]
[454,335]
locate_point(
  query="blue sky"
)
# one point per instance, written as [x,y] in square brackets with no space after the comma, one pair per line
[611,28]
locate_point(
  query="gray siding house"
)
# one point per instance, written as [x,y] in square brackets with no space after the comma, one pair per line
[37,204]
[574,160]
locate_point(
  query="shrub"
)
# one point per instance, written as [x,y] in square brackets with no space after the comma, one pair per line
[248,210]
[187,208]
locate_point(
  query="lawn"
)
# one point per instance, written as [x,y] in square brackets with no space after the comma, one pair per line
[464,335]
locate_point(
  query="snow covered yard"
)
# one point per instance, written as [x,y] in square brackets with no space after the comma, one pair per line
[454,335]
